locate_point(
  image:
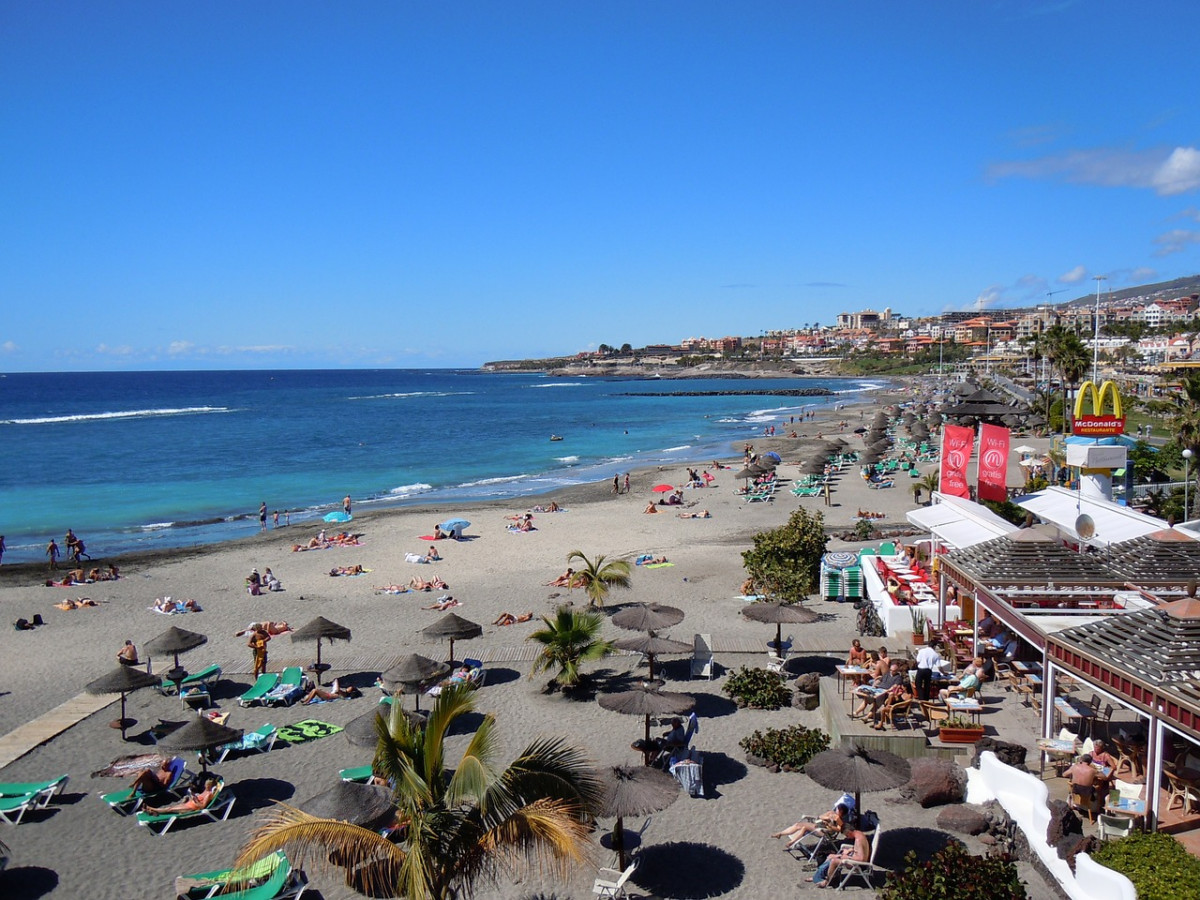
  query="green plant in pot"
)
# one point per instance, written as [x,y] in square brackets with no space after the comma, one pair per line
[918,625]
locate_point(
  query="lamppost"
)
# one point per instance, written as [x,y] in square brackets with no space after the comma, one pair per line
[1187,459]
[1096,337]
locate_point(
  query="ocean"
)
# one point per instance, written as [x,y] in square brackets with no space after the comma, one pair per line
[134,461]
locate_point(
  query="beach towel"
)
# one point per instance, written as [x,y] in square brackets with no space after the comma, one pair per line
[308,730]
[426,537]
[658,565]
[401,591]
[415,558]
[128,766]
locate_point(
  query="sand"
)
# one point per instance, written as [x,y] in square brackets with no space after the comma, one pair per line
[712,847]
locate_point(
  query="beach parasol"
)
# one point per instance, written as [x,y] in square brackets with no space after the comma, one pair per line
[648,617]
[662,488]
[777,613]
[857,770]
[321,629]
[633,791]
[647,700]
[860,430]
[174,641]
[454,627]
[367,805]
[338,517]
[840,559]
[122,680]
[745,473]
[200,733]
[414,669]
[362,731]
[1024,448]
[772,455]
[458,525]
[652,645]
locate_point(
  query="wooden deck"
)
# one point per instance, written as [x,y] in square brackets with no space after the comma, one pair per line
[25,737]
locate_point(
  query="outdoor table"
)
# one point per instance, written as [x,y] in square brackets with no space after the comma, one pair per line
[1035,680]
[1055,747]
[1074,713]
[967,707]
[844,671]
[1027,668]
[1126,806]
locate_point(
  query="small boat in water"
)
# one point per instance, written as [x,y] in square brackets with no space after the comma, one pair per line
[556,437]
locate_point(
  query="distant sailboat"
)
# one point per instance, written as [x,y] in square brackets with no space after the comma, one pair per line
[556,437]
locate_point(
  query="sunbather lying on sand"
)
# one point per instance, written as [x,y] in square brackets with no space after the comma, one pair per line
[448,603]
[393,588]
[507,618]
[566,579]
[647,560]
[76,604]
[269,627]
[346,570]
[703,514]
[167,605]
[420,584]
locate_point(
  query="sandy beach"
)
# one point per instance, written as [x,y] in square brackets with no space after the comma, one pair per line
[712,847]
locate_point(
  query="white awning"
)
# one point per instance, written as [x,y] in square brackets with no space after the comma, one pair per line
[959,523]
[1114,523]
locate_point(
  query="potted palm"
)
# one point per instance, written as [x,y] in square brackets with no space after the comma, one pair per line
[959,730]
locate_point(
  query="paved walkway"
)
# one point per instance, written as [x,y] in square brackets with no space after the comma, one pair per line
[25,737]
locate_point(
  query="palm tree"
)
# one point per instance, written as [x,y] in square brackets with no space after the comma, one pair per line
[1067,354]
[568,640]
[931,481]
[460,828]
[597,577]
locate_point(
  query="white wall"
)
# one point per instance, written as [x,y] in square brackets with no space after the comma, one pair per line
[1024,798]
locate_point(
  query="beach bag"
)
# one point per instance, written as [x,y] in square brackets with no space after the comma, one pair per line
[22,625]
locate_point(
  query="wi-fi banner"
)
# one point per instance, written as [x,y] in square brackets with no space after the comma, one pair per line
[957,443]
[993,463]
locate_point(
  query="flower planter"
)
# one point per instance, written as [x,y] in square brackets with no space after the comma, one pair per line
[960,735]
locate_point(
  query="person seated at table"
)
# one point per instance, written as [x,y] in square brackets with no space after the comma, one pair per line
[857,655]
[874,694]
[193,801]
[1103,759]
[1084,779]
[859,851]
[967,685]
[883,663]
[988,627]
[901,693]
[903,560]
[835,821]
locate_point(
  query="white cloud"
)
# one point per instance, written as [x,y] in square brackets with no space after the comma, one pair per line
[1073,276]
[122,350]
[9,347]
[1175,241]
[179,348]
[1166,173]
[1180,173]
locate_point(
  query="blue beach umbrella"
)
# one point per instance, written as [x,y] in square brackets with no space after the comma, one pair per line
[773,455]
[338,516]
[455,525]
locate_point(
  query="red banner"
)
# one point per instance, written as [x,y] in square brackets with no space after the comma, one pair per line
[957,443]
[993,463]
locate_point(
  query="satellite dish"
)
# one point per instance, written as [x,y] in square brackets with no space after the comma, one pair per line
[1085,527]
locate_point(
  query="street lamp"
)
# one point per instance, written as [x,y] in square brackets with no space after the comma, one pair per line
[1187,459]
[1096,337]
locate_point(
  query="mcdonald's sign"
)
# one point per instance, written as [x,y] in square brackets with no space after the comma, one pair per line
[1098,424]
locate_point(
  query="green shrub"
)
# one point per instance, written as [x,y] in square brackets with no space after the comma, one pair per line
[758,688]
[1157,864]
[954,874]
[789,748]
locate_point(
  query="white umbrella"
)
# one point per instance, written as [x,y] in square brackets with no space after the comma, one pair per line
[1024,448]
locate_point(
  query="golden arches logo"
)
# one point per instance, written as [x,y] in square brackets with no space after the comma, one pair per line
[1098,396]
[1098,424]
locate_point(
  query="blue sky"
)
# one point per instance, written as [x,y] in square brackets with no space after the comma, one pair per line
[298,184]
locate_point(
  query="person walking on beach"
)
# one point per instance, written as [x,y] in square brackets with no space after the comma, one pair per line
[616,484]
[275,519]
[262,516]
[258,646]
[1,548]
[627,482]
[52,553]
[346,504]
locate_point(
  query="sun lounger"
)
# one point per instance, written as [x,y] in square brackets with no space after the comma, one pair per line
[258,741]
[290,688]
[265,683]
[360,774]
[271,878]
[128,801]
[218,810]
[476,674]
[205,676]
[13,809]
[43,791]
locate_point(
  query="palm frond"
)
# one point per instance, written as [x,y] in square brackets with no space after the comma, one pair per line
[311,842]
[475,772]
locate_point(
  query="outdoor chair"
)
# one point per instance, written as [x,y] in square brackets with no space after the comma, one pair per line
[1114,826]
[43,791]
[863,870]
[903,711]
[263,686]
[611,882]
[1126,756]
[360,774]
[1184,791]
[820,841]
[13,809]
[1083,799]
[130,801]
[271,878]
[291,687]
[258,741]
[702,656]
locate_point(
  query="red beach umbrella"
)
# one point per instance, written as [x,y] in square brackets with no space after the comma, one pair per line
[662,488]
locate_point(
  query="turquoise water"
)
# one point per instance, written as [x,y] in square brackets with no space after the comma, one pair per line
[139,460]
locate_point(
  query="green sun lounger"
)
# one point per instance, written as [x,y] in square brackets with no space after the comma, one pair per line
[360,774]
[259,741]
[271,878]
[45,790]
[13,809]
[217,810]
[129,801]
[265,684]
[289,689]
